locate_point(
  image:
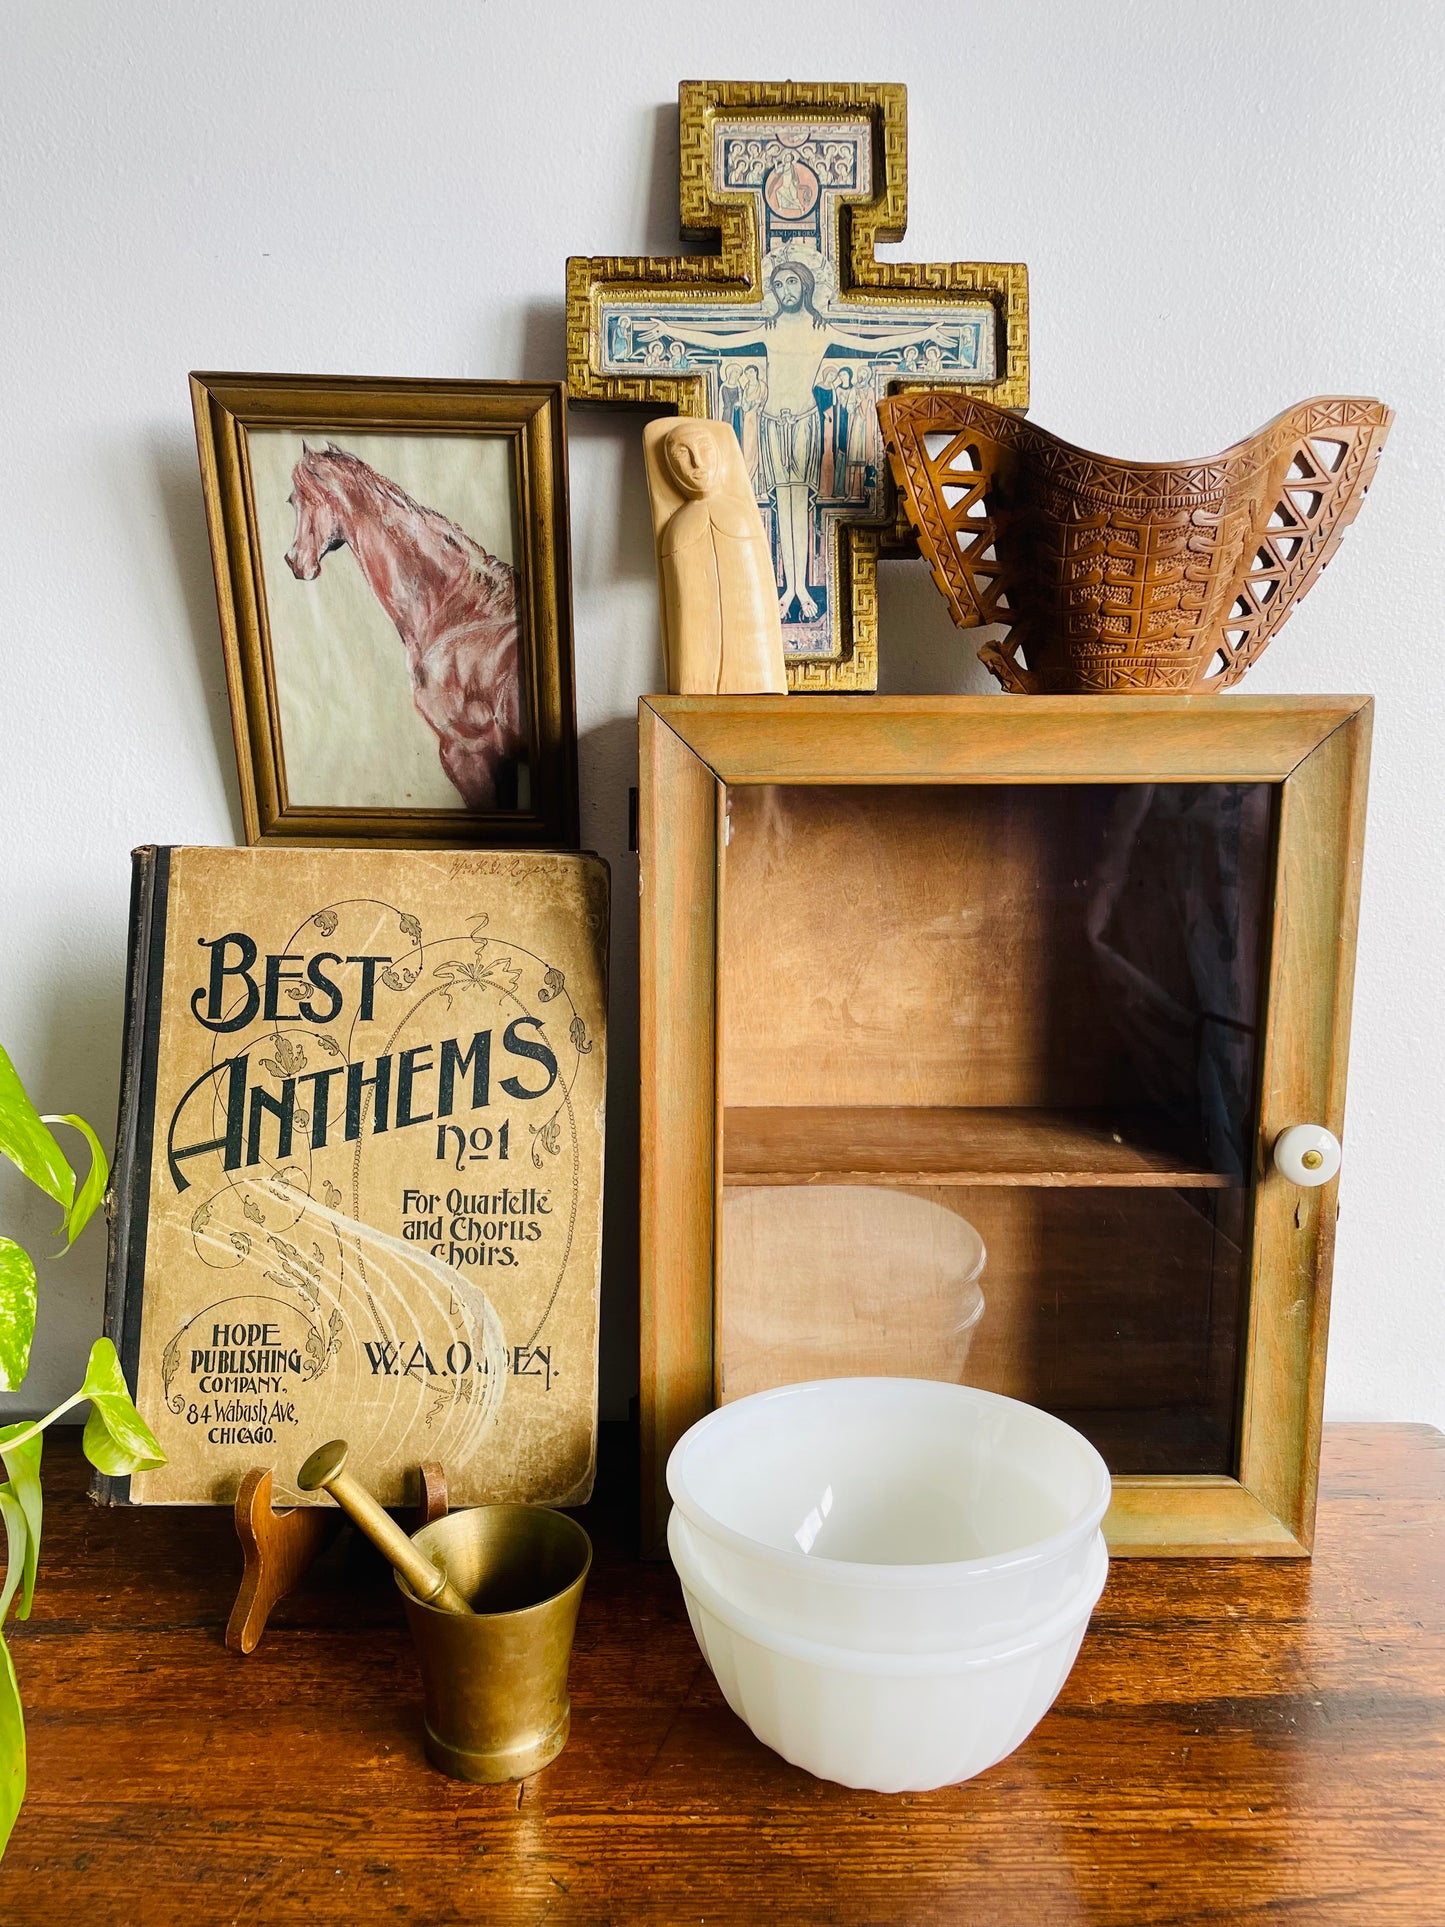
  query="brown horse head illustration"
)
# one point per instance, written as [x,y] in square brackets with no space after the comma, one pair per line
[453,604]
[318,517]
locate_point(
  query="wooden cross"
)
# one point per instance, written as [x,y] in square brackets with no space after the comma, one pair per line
[793,331]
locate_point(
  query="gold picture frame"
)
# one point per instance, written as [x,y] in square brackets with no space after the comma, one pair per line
[440,666]
[732,280]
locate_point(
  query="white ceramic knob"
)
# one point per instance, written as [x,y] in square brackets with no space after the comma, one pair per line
[1307,1154]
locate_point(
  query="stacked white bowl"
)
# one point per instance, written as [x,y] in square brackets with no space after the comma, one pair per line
[889,1577]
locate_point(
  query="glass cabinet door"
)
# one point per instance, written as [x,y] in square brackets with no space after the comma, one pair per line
[989,1058]
[976,1037]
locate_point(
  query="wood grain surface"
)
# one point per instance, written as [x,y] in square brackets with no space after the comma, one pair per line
[936,944]
[679,831]
[1239,1744]
[1306,1051]
[1064,739]
[907,1144]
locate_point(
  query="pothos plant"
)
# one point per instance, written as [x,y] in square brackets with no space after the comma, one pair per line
[116,1439]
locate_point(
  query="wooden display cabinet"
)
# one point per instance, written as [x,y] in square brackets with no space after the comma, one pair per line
[1058,969]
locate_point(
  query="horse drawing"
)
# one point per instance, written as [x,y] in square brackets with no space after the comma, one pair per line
[454,607]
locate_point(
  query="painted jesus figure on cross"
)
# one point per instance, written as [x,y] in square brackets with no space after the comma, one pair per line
[791,330]
[794,343]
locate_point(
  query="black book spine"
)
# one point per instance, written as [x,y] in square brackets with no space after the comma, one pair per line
[128,1205]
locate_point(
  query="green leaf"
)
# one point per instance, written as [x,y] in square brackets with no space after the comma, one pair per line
[17,1313]
[12,1746]
[17,1546]
[117,1439]
[27,1141]
[22,1462]
[93,1189]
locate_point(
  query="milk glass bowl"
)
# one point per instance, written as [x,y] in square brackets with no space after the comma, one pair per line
[889,1515]
[893,1722]
[845,1280]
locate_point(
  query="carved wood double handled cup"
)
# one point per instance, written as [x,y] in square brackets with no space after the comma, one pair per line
[1126,577]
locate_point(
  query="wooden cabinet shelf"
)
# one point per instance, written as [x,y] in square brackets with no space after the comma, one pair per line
[918,1145]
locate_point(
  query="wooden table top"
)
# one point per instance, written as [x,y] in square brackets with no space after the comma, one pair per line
[1239,1742]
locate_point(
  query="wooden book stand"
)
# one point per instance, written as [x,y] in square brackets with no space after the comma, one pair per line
[280,1546]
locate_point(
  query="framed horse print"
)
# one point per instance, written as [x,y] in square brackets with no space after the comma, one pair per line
[394,588]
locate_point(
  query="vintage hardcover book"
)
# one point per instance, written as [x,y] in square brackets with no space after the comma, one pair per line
[358,1175]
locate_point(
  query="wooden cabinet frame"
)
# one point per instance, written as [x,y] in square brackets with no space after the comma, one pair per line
[1316,749]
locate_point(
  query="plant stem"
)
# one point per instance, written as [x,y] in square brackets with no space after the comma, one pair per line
[40,1424]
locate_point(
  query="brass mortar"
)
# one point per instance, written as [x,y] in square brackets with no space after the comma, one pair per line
[494,1681]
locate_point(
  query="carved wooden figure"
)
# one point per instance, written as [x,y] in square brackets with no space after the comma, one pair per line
[722,629]
[1121,576]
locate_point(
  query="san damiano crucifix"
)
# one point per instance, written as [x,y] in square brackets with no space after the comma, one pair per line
[791,334]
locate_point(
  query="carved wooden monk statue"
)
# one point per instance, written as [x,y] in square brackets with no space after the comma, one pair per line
[721,631]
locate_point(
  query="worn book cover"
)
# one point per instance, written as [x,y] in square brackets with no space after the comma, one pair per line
[358,1177]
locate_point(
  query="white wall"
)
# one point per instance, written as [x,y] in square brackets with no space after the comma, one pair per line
[1223,210]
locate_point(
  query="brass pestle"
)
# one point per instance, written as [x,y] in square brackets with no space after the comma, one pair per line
[325,1471]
